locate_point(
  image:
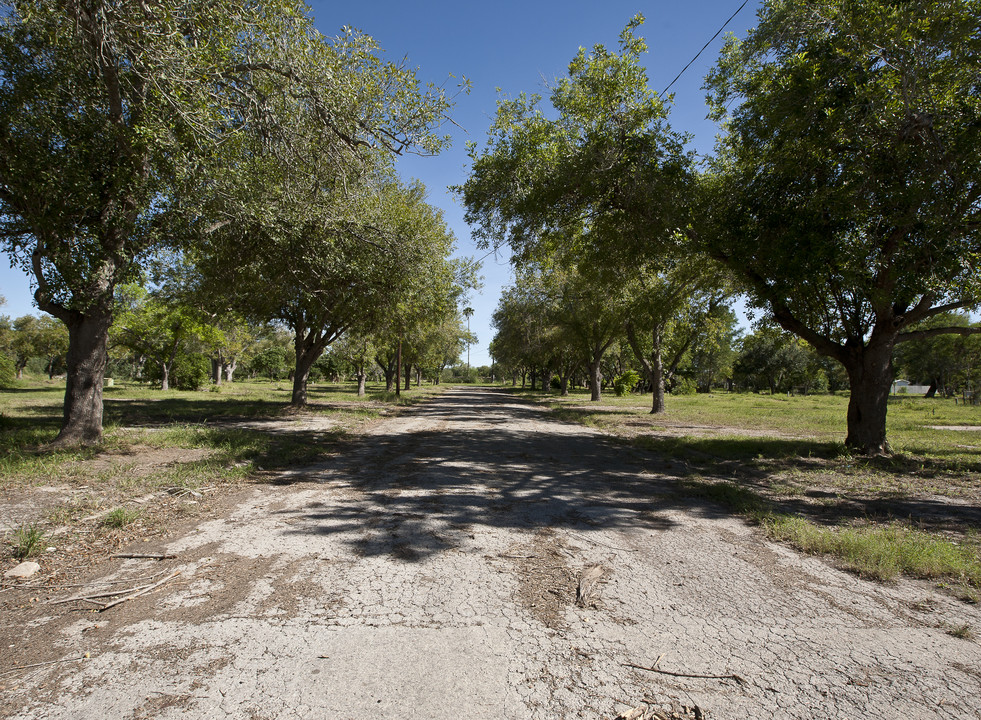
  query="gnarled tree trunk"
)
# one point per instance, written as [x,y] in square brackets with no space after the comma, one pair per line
[870,376]
[88,338]
[595,377]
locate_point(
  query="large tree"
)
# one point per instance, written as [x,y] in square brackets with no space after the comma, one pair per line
[597,183]
[107,107]
[848,182]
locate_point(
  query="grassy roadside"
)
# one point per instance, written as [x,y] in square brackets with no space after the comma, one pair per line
[166,456]
[781,462]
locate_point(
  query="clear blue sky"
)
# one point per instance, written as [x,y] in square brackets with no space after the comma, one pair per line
[517,47]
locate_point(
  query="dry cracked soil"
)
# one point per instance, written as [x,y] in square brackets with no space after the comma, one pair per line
[433,571]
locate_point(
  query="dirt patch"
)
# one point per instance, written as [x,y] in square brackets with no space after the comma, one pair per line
[546,584]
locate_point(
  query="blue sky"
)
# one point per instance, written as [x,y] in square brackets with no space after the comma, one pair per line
[517,47]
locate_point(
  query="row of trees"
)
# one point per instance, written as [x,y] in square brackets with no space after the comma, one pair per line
[844,198]
[186,166]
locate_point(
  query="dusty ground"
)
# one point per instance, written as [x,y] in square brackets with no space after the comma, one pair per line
[432,573]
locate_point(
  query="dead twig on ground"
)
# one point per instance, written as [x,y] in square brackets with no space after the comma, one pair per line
[142,591]
[13,670]
[738,679]
[143,556]
[598,542]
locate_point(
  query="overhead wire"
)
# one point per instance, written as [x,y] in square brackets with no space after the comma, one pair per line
[718,32]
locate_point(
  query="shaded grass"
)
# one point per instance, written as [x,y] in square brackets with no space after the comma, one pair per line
[244,432]
[31,416]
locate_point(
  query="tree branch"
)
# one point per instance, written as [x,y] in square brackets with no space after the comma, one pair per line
[933,332]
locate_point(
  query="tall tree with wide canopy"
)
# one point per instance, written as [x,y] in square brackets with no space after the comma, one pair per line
[847,190]
[599,184]
[107,107]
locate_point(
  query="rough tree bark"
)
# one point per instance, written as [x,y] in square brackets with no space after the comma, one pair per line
[88,339]
[595,376]
[870,376]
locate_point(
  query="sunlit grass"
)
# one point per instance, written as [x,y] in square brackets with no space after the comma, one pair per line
[881,551]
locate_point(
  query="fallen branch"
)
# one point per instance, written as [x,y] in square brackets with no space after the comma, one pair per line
[590,577]
[12,670]
[109,593]
[652,669]
[143,556]
[598,542]
[141,591]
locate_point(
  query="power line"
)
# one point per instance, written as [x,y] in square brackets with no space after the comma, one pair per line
[665,91]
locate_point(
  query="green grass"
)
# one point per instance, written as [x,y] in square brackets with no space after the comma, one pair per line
[964,632]
[28,540]
[121,517]
[881,552]
[872,550]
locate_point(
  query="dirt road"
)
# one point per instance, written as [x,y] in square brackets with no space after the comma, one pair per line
[433,571]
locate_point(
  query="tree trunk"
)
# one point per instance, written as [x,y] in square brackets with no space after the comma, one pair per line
[657,373]
[595,378]
[88,338]
[308,351]
[932,390]
[166,366]
[361,379]
[304,362]
[564,385]
[398,368]
[870,376]
[230,369]
[408,375]
[216,370]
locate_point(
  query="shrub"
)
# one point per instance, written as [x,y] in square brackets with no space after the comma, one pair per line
[625,383]
[684,386]
[7,371]
[189,372]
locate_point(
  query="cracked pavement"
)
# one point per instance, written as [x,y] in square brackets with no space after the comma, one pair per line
[431,573]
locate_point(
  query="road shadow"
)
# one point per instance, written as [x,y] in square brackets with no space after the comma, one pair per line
[502,462]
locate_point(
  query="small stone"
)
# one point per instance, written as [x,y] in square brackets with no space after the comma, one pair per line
[50,549]
[24,570]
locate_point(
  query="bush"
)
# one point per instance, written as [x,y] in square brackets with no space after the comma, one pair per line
[625,383]
[684,386]
[555,382]
[189,372]
[7,371]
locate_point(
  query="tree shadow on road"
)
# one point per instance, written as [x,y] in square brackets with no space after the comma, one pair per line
[418,490]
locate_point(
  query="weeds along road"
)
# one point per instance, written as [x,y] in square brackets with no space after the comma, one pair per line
[433,572]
